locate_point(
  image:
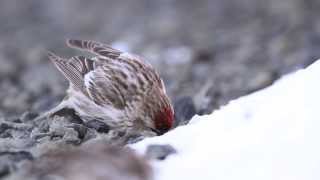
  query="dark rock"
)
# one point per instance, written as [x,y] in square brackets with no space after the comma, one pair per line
[4,170]
[43,125]
[5,134]
[184,110]
[17,156]
[8,160]
[204,55]
[134,139]
[4,127]
[81,130]
[159,152]
[69,114]
[16,120]
[98,125]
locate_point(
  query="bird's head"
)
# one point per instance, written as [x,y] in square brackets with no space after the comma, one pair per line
[164,119]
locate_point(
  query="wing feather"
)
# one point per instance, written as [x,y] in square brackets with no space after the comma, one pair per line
[74,69]
[103,90]
[94,47]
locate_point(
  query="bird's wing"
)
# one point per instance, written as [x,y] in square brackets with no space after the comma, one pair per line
[74,69]
[102,50]
[104,90]
[87,76]
[121,81]
[94,47]
[112,78]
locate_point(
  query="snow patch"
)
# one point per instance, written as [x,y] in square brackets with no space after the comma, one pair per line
[270,134]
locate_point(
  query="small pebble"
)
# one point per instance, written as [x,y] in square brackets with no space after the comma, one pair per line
[100,126]
[3,127]
[80,129]
[160,152]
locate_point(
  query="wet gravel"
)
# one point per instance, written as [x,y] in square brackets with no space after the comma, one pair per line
[208,52]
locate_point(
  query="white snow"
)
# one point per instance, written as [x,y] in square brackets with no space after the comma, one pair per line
[271,134]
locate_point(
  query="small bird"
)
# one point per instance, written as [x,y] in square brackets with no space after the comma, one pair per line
[115,87]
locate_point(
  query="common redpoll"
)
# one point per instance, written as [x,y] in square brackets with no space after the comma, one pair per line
[116,87]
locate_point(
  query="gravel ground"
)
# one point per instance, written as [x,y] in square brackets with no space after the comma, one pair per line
[208,52]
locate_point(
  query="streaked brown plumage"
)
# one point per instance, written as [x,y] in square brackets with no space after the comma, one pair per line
[116,87]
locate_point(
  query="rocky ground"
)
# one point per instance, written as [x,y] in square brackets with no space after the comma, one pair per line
[208,52]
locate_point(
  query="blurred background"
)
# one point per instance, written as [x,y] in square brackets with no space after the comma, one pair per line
[207,51]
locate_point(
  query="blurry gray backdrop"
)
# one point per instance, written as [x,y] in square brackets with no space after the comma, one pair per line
[207,51]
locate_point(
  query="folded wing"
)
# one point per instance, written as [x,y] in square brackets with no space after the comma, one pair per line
[74,69]
[94,47]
